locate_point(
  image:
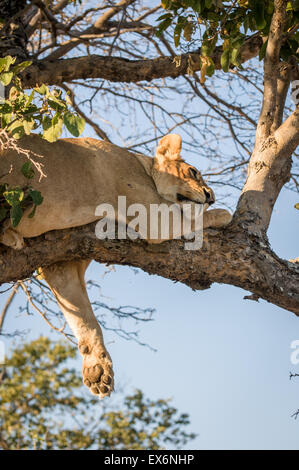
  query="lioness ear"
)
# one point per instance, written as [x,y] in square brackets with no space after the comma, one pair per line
[169,147]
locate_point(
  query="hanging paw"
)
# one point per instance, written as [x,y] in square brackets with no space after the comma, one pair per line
[97,369]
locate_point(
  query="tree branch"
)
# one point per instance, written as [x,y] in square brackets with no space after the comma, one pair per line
[7,305]
[287,136]
[116,69]
[271,71]
[270,164]
[283,84]
[228,256]
[96,27]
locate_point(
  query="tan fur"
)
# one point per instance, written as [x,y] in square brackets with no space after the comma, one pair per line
[81,174]
[172,175]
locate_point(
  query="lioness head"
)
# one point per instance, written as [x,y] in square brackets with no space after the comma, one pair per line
[175,180]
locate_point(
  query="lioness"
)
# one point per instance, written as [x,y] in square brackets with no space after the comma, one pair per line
[81,174]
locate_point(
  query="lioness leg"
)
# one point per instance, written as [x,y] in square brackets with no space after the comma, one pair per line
[66,281]
[216,218]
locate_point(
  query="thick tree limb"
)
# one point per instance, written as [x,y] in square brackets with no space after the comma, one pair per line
[283,84]
[271,64]
[229,256]
[268,171]
[287,136]
[270,164]
[116,69]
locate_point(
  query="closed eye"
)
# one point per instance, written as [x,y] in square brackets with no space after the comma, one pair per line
[193,173]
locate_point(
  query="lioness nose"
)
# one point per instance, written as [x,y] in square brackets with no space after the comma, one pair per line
[209,196]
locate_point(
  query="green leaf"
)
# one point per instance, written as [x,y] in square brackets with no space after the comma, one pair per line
[210,68]
[177,34]
[27,170]
[6,78]
[52,128]
[188,31]
[5,120]
[235,56]
[13,93]
[56,103]
[14,196]
[22,66]
[32,212]
[208,3]
[42,90]
[36,197]
[259,15]
[17,129]
[5,108]
[28,124]
[74,123]
[163,26]
[163,17]
[198,7]
[6,62]
[208,46]
[225,60]
[263,49]
[16,214]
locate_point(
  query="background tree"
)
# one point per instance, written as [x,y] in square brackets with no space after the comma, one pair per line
[108,56]
[43,406]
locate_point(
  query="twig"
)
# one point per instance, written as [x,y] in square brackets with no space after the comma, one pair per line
[8,304]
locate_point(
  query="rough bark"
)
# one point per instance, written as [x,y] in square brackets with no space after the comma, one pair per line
[270,164]
[13,38]
[268,171]
[116,69]
[229,256]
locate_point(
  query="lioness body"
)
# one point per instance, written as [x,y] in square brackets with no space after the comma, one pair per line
[80,175]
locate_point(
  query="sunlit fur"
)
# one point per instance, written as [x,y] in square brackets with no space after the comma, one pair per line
[175,179]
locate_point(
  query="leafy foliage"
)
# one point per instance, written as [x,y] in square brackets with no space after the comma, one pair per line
[14,201]
[43,406]
[21,114]
[226,23]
